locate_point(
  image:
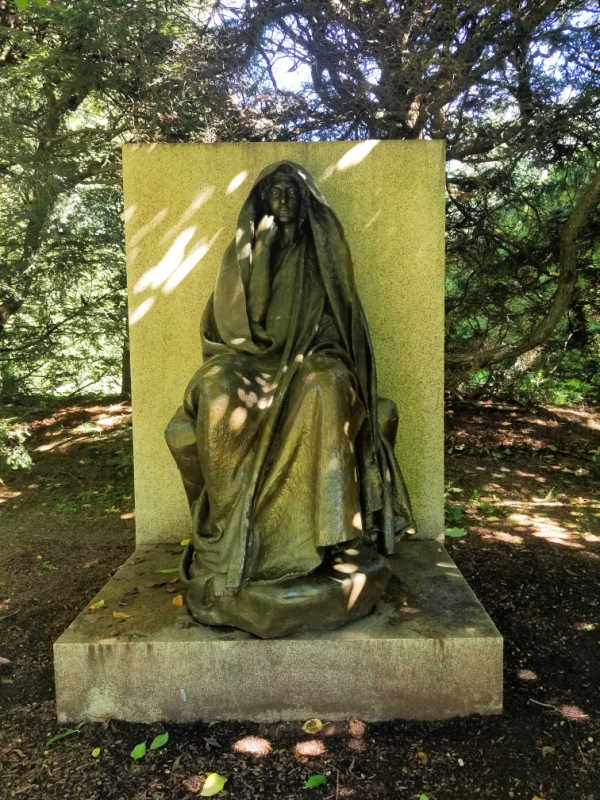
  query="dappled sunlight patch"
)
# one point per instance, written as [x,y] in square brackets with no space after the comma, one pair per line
[586,626]
[238,419]
[254,746]
[406,609]
[573,713]
[218,409]
[138,313]
[189,263]
[501,536]
[544,528]
[310,748]
[236,181]
[137,237]
[359,580]
[155,276]
[357,728]
[357,745]
[527,675]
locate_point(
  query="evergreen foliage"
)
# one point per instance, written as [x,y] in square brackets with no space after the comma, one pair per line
[512,86]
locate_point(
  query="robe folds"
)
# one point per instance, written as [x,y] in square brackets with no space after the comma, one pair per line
[278,440]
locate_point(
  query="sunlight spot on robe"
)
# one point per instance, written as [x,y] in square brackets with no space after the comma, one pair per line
[139,312]
[248,398]
[154,277]
[246,250]
[188,264]
[265,402]
[238,340]
[299,358]
[243,379]
[311,747]
[141,232]
[346,568]
[527,675]
[252,746]
[357,521]
[347,428]
[388,476]
[239,235]
[355,475]
[334,464]
[266,375]
[350,446]
[238,418]
[237,181]
[351,551]
[218,408]
[213,371]
[359,580]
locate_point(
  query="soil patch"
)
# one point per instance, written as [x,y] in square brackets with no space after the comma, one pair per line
[523,484]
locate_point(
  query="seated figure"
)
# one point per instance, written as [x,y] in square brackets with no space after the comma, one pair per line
[284,448]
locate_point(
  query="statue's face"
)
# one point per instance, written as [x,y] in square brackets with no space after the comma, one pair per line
[284,198]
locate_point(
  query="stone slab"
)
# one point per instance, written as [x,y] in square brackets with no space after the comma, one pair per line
[181,208]
[429,651]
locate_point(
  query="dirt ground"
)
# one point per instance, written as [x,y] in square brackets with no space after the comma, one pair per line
[524,484]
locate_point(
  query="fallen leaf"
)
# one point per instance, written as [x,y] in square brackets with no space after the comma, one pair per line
[62,735]
[178,601]
[455,533]
[185,542]
[422,757]
[120,615]
[139,751]
[213,784]
[313,725]
[95,606]
[175,579]
[194,783]
[89,564]
[357,728]
[96,752]
[547,750]
[314,781]
[159,741]
[4,660]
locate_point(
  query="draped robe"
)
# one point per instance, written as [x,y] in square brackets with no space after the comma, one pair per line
[278,440]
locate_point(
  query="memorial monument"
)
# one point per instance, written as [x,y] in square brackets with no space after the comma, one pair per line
[280,579]
[281,441]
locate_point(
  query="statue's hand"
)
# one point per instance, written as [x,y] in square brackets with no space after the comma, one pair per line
[266,233]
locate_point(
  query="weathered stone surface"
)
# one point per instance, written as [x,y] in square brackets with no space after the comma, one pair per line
[428,651]
[181,207]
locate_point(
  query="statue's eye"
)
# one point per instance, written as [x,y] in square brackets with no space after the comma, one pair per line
[275,192]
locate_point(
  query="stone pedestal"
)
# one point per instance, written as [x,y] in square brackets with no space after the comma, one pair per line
[428,651]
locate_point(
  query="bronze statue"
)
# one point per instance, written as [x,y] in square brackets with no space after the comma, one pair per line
[285,450]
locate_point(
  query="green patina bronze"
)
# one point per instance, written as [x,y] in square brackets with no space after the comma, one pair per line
[285,449]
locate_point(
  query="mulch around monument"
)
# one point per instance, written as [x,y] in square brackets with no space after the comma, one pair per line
[524,484]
